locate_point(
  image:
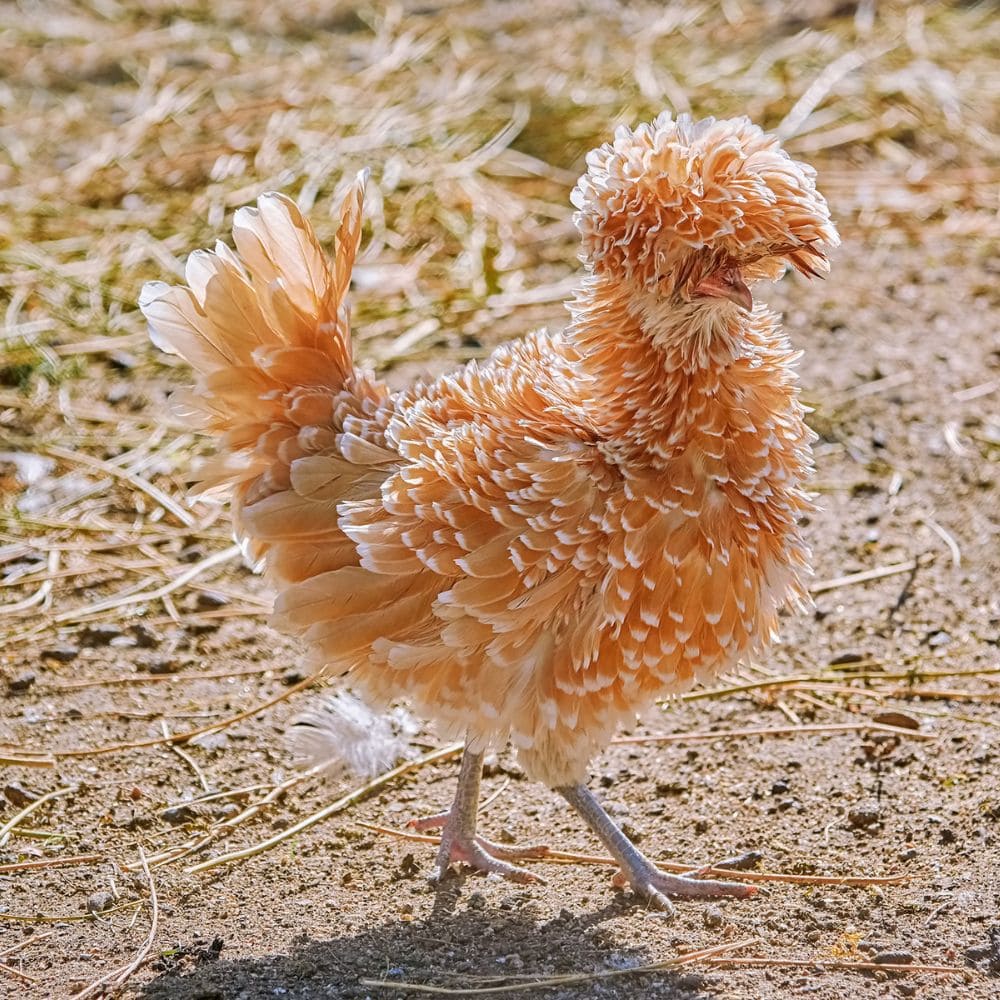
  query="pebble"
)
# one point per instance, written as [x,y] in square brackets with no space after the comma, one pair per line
[176,815]
[712,916]
[209,599]
[145,637]
[164,666]
[61,654]
[847,658]
[21,683]
[18,795]
[864,815]
[98,902]
[99,635]
[894,958]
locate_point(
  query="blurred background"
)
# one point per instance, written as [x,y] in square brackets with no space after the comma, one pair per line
[131,131]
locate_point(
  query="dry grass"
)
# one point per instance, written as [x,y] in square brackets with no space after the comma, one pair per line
[131,132]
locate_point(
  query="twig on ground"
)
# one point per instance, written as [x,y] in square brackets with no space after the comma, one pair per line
[573,858]
[22,944]
[117,978]
[358,795]
[78,859]
[567,979]
[731,734]
[40,597]
[133,479]
[839,965]
[184,756]
[17,974]
[6,829]
[6,761]
[179,678]
[62,918]
[112,603]
[865,576]
[188,734]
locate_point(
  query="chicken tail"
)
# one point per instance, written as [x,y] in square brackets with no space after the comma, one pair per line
[258,326]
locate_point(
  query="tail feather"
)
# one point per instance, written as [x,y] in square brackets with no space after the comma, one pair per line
[260,322]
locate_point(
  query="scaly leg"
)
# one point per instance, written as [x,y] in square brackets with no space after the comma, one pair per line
[459,841]
[636,869]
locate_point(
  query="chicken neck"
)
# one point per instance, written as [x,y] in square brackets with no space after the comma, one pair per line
[648,362]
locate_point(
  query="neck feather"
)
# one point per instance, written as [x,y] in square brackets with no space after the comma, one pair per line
[649,357]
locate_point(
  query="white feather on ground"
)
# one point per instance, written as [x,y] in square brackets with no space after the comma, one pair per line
[340,733]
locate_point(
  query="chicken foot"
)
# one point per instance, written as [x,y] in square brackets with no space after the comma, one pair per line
[459,841]
[636,869]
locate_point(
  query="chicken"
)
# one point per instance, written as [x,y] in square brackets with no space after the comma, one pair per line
[536,547]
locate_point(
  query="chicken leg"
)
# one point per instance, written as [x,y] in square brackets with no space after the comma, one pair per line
[459,841]
[636,869]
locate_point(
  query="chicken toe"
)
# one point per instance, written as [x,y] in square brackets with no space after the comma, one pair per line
[459,841]
[636,869]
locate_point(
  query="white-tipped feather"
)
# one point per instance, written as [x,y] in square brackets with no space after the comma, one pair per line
[340,733]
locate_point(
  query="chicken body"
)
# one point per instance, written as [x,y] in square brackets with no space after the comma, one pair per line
[536,547]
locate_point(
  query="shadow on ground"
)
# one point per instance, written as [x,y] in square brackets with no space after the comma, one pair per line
[460,950]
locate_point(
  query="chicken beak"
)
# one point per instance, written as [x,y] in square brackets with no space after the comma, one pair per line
[726,284]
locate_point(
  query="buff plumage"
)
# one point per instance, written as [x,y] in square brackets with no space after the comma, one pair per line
[536,547]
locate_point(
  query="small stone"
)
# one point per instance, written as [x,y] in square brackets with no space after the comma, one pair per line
[477,901]
[21,683]
[843,658]
[18,795]
[122,642]
[894,958]
[207,600]
[162,666]
[60,654]
[864,815]
[99,635]
[712,916]
[781,786]
[634,833]
[145,637]
[98,902]
[938,638]
[176,815]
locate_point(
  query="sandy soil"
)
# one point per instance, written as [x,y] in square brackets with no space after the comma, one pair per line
[902,362]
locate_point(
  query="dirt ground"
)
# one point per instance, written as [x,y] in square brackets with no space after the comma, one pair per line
[127,619]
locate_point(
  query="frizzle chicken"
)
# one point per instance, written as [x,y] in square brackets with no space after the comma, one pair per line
[535,547]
